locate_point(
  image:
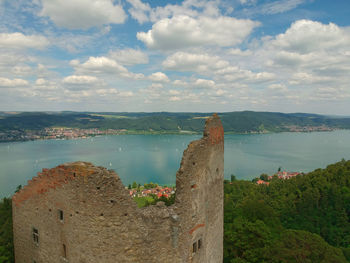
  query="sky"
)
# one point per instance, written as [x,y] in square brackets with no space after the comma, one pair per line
[179,56]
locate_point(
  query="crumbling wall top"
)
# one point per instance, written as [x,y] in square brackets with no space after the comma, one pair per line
[214,130]
[55,177]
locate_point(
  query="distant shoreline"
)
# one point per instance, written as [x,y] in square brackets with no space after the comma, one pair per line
[47,137]
[58,125]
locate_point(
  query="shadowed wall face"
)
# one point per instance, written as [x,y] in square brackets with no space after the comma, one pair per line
[77,212]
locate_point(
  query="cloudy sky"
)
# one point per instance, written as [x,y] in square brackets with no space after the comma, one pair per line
[191,55]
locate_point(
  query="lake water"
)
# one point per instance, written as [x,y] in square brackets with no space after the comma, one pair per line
[156,158]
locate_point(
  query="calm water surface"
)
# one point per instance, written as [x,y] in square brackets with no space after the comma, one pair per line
[156,158]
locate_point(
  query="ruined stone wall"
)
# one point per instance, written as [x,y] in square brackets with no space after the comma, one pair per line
[199,197]
[101,223]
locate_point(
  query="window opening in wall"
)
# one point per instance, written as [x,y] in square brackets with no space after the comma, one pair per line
[199,244]
[194,250]
[60,215]
[64,251]
[35,235]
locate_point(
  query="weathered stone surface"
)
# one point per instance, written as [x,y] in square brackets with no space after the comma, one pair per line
[101,223]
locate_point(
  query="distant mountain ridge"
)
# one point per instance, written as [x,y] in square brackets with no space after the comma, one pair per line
[234,122]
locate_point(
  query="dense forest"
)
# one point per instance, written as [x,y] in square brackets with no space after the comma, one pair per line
[235,122]
[6,239]
[303,219]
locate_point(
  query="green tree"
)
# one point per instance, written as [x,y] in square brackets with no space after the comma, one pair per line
[264,177]
[303,247]
[18,188]
[6,236]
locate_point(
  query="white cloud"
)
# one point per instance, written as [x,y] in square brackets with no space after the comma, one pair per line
[44,87]
[129,56]
[22,70]
[220,92]
[174,98]
[139,10]
[179,82]
[183,31]
[115,92]
[83,14]
[263,76]
[155,87]
[154,91]
[74,62]
[193,8]
[308,52]
[126,94]
[184,61]
[254,7]
[238,52]
[204,83]
[248,2]
[79,80]
[159,77]
[307,78]
[281,6]
[277,87]
[6,83]
[305,36]
[234,73]
[40,82]
[104,65]
[19,41]
[174,92]
[74,42]
[101,65]
[105,92]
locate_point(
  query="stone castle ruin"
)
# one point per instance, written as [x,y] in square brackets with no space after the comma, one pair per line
[80,213]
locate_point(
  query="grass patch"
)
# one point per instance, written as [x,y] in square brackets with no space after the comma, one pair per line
[144,201]
[111,116]
[204,117]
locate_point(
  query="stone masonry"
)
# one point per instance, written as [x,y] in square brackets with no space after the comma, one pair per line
[80,213]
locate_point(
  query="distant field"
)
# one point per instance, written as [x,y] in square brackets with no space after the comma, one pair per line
[112,116]
[205,117]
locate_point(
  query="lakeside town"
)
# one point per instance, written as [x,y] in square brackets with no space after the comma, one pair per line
[151,194]
[56,133]
[64,133]
[156,190]
[284,175]
[321,128]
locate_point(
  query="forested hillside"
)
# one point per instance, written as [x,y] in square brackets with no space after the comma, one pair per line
[303,219]
[236,122]
[6,239]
